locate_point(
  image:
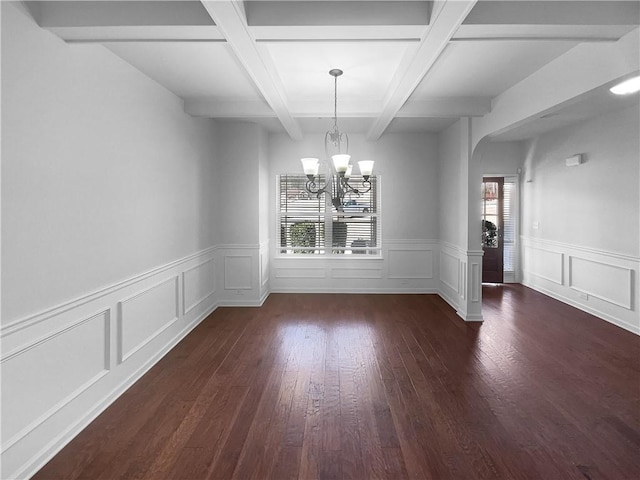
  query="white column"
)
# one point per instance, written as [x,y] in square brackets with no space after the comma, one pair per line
[470,301]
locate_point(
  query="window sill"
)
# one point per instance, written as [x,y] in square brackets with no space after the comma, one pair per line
[341,258]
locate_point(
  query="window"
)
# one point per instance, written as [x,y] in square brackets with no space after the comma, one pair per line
[314,226]
[510,225]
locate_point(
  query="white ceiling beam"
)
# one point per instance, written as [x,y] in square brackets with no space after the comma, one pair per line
[229,17]
[324,33]
[446,20]
[581,70]
[579,33]
[218,108]
[446,107]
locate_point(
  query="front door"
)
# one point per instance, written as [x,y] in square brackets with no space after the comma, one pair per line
[492,228]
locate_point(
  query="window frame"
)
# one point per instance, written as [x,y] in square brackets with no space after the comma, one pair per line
[327,250]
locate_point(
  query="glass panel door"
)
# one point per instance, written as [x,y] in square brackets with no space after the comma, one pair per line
[492,228]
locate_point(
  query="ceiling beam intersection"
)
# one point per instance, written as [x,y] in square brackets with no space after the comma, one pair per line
[444,25]
[230,18]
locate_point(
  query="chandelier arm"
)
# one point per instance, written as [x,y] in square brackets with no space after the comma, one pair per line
[348,188]
[321,191]
[366,183]
[311,187]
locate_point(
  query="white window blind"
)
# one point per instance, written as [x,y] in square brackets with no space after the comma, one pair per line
[310,225]
[510,224]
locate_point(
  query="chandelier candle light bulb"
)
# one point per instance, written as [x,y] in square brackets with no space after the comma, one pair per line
[310,166]
[341,162]
[347,174]
[366,168]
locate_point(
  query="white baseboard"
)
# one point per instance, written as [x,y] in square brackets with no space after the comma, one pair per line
[128,327]
[602,315]
[349,291]
[452,303]
[596,281]
[58,443]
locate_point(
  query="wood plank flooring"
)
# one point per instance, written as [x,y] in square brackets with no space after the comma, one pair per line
[378,386]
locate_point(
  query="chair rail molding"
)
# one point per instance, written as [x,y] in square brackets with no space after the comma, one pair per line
[138,320]
[598,281]
[404,266]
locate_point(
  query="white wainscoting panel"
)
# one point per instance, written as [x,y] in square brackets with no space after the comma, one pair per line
[602,283]
[356,273]
[405,266]
[242,275]
[238,272]
[145,315]
[449,270]
[40,378]
[460,282]
[264,267]
[198,284]
[476,282]
[60,367]
[300,272]
[544,263]
[410,263]
[607,282]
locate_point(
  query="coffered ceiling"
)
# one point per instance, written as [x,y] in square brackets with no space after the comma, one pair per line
[408,65]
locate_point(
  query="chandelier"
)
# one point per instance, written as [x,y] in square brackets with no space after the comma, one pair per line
[336,146]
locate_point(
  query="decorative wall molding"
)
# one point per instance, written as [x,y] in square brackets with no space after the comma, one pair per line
[300,272]
[405,266]
[356,273]
[615,320]
[460,280]
[450,270]
[186,292]
[544,263]
[29,388]
[476,282]
[600,282]
[410,263]
[470,306]
[462,288]
[578,248]
[238,272]
[62,395]
[145,315]
[96,294]
[204,289]
[264,268]
[80,420]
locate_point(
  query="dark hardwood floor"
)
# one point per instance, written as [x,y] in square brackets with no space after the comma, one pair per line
[378,386]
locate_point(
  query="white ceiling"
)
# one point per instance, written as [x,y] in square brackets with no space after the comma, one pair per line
[514,60]
[189,69]
[409,66]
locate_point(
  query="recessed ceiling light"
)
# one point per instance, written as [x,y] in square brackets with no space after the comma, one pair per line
[628,86]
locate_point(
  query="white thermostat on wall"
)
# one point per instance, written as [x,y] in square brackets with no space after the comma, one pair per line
[574,160]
